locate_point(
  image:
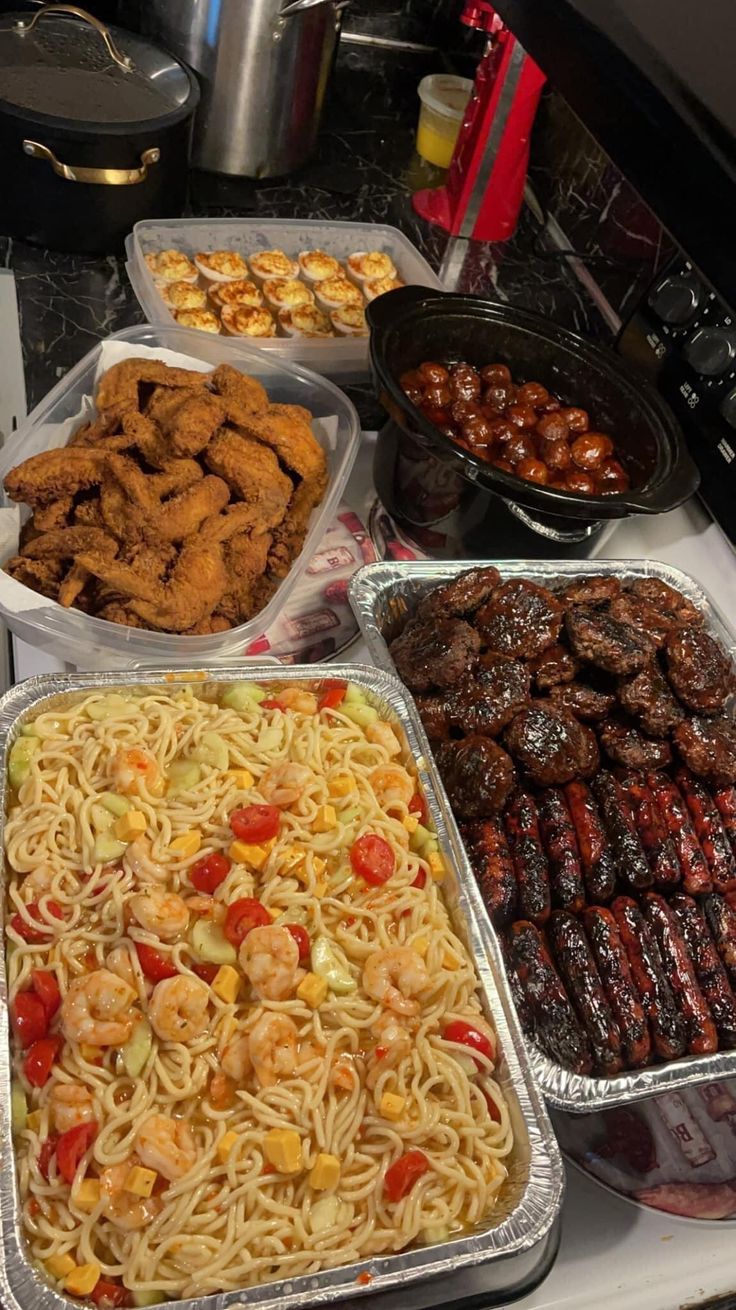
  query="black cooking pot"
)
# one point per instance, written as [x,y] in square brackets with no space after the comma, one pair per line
[453,503]
[95,125]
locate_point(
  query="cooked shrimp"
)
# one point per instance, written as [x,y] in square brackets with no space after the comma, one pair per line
[120,963]
[37,883]
[296,698]
[97,1009]
[166,1145]
[392,785]
[272,1045]
[284,783]
[206,907]
[139,860]
[178,1008]
[124,1209]
[394,977]
[162,913]
[133,767]
[235,1059]
[269,957]
[382,734]
[70,1104]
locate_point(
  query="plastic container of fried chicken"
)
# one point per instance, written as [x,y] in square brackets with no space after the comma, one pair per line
[89,641]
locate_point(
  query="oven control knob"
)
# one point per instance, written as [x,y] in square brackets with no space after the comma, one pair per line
[675,300]
[710,351]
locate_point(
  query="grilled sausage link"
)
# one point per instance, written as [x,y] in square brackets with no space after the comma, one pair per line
[555,1023]
[618,820]
[725,799]
[650,825]
[493,867]
[666,1026]
[722,923]
[580,976]
[702,1037]
[599,866]
[709,969]
[709,831]
[560,843]
[695,872]
[530,861]
[615,974]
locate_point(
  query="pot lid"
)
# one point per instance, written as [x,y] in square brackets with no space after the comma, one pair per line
[63,63]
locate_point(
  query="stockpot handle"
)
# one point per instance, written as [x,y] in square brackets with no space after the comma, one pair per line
[122,61]
[299,6]
[94,176]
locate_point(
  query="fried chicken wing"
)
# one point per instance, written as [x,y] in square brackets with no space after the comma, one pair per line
[286,430]
[54,474]
[252,472]
[41,575]
[245,561]
[233,385]
[55,515]
[65,543]
[120,385]
[191,592]
[188,420]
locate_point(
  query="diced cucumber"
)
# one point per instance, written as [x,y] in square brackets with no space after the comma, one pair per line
[211,944]
[354,695]
[117,805]
[108,707]
[147,1298]
[102,819]
[19,760]
[137,1049]
[269,739]
[182,776]
[28,730]
[106,849]
[212,749]
[434,1233]
[350,814]
[420,837]
[242,695]
[329,967]
[18,1108]
[324,1213]
[360,714]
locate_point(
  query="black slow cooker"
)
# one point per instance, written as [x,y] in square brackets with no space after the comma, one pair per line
[456,505]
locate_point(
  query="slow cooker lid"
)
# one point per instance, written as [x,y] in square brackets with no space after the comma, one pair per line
[67,65]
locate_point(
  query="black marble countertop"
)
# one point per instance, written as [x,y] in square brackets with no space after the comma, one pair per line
[365,169]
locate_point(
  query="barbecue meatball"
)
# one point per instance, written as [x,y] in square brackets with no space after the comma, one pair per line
[627,746]
[708,747]
[478,776]
[435,653]
[595,636]
[647,696]
[552,745]
[520,619]
[462,596]
[699,670]
[553,666]
[490,698]
[639,614]
[666,599]
[596,590]
[584,702]
[434,711]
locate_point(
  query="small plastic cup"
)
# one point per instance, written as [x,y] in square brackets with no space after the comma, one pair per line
[444,98]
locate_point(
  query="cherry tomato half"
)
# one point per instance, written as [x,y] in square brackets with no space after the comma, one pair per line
[301,937]
[272,704]
[45,1155]
[39,1060]
[421,878]
[71,1146]
[467,1035]
[403,1173]
[207,972]
[242,916]
[46,988]
[29,1019]
[372,858]
[106,1295]
[155,966]
[418,806]
[332,697]
[207,874]
[255,823]
[493,1109]
[35,935]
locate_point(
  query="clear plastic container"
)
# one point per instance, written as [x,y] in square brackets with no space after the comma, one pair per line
[343,358]
[72,635]
[444,98]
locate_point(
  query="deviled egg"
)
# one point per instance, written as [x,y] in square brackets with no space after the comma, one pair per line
[349,321]
[305,321]
[221,265]
[335,292]
[171,266]
[286,293]
[316,265]
[380,285]
[272,263]
[183,295]
[241,292]
[248,321]
[202,319]
[367,265]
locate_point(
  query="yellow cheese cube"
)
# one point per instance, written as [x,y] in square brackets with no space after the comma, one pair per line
[283,1149]
[92,1054]
[325,1172]
[140,1181]
[421,946]
[60,1265]
[319,865]
[225,1146]
[319,889]
[292,861]
[342,785]
[225,983]
[450,961]
[274,912]
[436,866]
[312,989]
[81,1279]
[157,788]
[411,822]
[325,819]
[87,1194]
[188,843]
[33,1121]
[242,778]
[243,852]
[129,826]
[391,1105]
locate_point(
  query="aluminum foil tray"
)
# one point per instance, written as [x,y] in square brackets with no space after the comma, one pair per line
[383,596]
[504,1260]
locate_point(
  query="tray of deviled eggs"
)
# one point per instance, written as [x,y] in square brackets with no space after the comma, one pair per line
[295,287]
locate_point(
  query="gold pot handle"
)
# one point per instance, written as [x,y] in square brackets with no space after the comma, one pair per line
[123,61]
[97,176]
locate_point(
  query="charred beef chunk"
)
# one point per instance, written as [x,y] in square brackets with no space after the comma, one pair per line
[666,599]
[699,670]
[647,696]
[520,619]
[639,614]
[478,776]
[627,746]
[708,747]
[462,596]
[597,637]
[551,745]
[595,590]
[437,653]
[490,697]
[587,704]
[555,665]
[434,711]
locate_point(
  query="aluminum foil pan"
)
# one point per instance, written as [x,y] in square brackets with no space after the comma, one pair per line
[383,596]
[505,1259]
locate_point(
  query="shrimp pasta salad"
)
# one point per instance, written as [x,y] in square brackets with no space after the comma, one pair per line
[246,1042]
